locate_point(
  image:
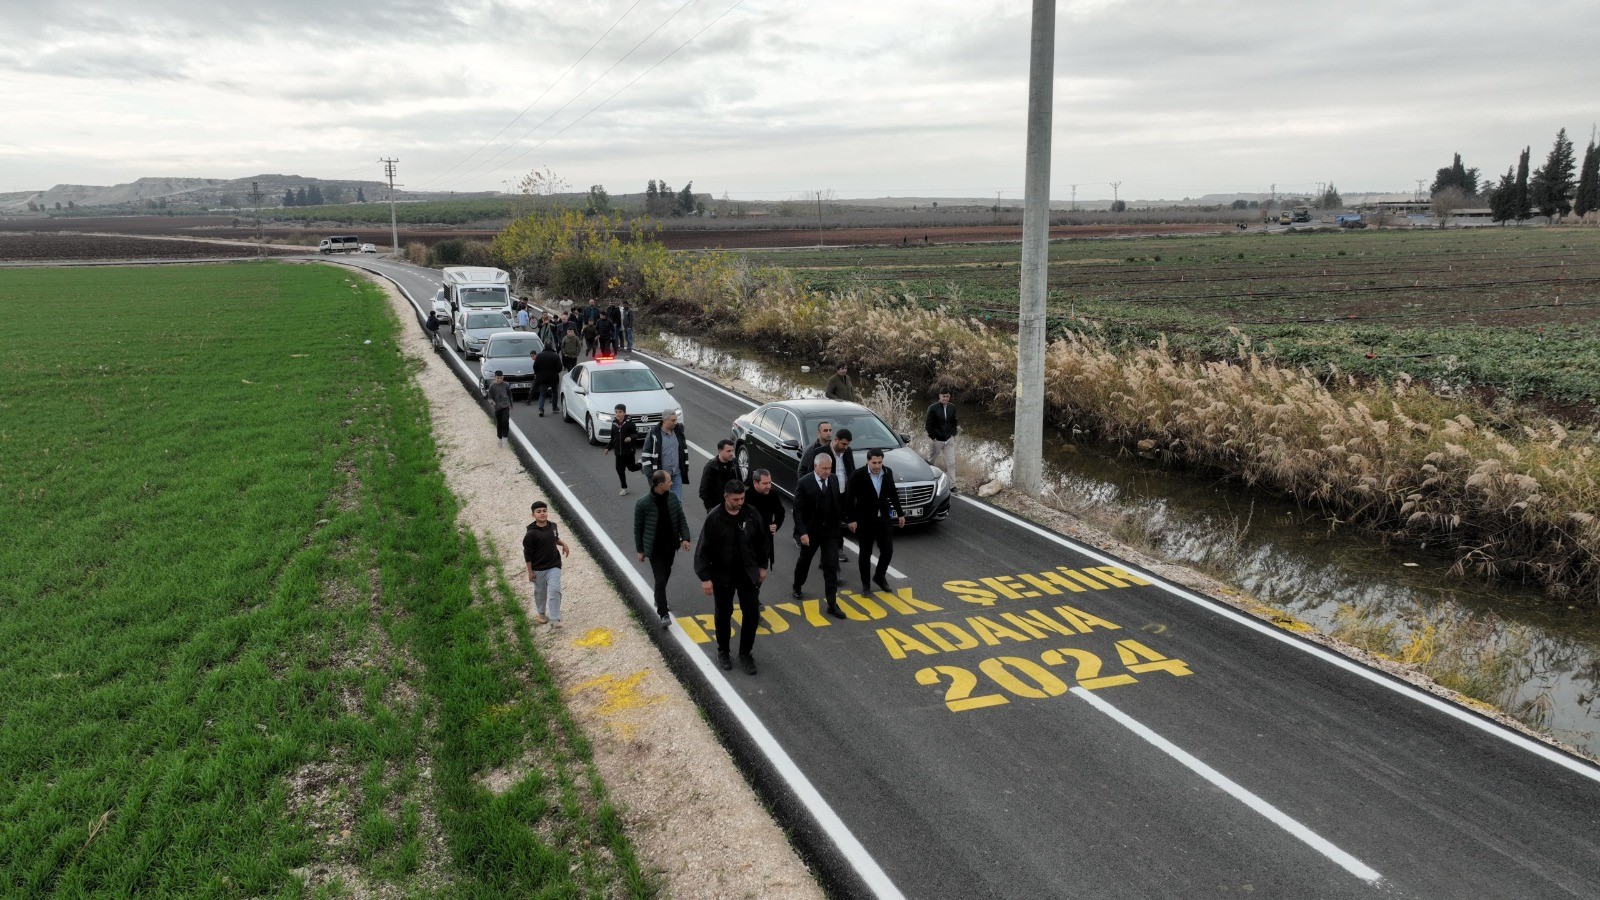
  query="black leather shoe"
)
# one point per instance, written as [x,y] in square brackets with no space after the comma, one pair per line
[723,661]
[748,663]
[797,595]
[835,611]
[882,583]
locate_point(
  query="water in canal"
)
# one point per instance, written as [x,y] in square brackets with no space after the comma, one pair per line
[1295,559]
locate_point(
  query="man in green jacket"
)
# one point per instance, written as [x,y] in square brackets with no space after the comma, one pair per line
[660,530]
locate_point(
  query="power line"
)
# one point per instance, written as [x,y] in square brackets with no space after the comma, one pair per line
[629,84]
[541,96]
[481,166]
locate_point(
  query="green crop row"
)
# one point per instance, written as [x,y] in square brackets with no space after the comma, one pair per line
[245,638]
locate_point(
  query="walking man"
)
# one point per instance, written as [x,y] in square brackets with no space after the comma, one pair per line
[665,447]
[942,428]
[605,336]
[500,395]
[571,346]
[768,507]
[823,444]
[719,470]
[539,550]
[522,318]
[871,513]
[627,325]
[840,387]
[547,331]
[728,563]
[818,515]
[623,443]
[660,530]
[547,378]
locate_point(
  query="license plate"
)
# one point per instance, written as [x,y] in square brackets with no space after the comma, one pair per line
[914,513]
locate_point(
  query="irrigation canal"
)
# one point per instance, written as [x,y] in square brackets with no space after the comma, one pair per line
[1022,716]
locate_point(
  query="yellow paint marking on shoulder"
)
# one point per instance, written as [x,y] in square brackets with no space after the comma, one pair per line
[619,694]
[595,637]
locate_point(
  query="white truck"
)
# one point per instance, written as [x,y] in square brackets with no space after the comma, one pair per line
[477,288]
[340,243]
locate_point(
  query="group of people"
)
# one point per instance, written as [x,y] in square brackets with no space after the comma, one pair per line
[736,548]
[588,331]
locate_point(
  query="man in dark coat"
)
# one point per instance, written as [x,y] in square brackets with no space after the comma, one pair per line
[718,471]
[623,444]
[666,447]
[547,378]
[871,513]
[819,521]
[768,505]
[660,530]
[727,560]
[942,427]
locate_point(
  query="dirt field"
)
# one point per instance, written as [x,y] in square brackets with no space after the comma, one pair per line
[745,237]
[16,247]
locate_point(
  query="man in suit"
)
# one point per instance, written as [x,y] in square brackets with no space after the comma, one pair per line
[871,512]
[819,521]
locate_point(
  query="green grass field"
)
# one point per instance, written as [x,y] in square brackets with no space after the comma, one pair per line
[243,633]
[1513,309]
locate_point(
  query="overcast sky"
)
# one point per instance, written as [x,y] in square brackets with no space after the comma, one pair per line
[771,98]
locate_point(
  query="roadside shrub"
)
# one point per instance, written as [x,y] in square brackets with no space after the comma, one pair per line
[417,253]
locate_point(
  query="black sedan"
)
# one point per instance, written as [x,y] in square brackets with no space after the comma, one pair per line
[774,436]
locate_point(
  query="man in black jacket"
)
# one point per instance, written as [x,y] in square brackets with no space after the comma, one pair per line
[871,512]
[766,503]
[942,429]
[547,378]
[823,444]
[818,519]
[718,471]
[623,444]
[728,562]
[666,447]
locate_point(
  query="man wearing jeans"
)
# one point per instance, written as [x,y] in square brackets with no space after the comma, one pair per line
[542,549]
[942,428]
[547,378]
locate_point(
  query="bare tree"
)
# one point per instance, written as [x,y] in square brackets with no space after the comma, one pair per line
[1446,202]
[543,186]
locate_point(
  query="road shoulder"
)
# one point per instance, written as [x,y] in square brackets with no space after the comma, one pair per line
[693,819]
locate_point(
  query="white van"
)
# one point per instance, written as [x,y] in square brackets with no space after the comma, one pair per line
[477,288]
[340,243]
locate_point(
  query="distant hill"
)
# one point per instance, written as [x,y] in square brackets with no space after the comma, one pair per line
[191,194]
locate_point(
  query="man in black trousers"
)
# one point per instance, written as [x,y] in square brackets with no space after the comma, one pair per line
[871,513]
[818,520]
[728,562]
[718,471]
[659,530]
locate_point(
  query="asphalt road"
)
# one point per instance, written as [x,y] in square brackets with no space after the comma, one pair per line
[1023,717]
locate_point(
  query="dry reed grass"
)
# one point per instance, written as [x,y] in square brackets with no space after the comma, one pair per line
[1514,498]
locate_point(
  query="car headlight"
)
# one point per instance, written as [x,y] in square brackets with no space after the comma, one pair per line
[679,413]
[938,485]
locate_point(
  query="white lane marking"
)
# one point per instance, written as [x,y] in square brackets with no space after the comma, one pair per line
[1279,818]
[850,545]
[1538,748]
[834,827]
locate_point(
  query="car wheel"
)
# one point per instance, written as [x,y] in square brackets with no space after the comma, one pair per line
[566,410]
[588,425]
[742,459]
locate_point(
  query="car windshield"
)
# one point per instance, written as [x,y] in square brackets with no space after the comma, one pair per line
[487,320]
[622,380]
[866,429]
[483,296]
[513,345]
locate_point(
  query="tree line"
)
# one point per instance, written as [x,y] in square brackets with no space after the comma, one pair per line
[1559,187]
[312,196]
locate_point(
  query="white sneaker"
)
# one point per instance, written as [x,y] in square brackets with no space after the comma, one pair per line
[622,493]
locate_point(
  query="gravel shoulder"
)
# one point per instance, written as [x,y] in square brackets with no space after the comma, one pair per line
[693,819]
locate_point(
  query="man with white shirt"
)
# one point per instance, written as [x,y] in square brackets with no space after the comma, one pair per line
[872,511]
[819,524]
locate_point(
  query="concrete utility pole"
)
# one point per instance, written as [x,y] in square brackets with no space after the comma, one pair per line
[819,217]
[1074,198]
[394,230]
[1027,471]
